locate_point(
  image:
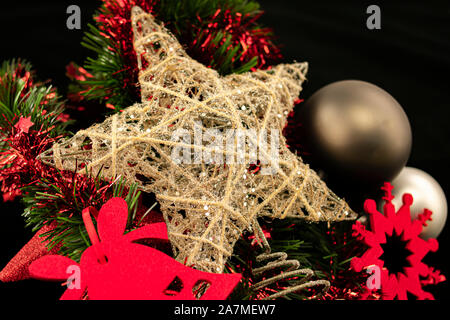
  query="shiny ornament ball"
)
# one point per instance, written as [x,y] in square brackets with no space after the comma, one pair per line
[356,130]
[427,194]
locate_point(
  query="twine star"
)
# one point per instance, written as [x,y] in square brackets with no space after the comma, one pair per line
[206,204]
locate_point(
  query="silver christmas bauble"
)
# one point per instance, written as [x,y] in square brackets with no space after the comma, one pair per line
[427,194]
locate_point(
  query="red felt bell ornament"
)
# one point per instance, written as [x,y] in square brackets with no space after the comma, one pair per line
[117,268]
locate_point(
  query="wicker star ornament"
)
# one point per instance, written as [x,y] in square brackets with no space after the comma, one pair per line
[184,143]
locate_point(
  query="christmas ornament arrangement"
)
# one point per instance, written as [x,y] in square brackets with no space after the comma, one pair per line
[265,227]
[218,201]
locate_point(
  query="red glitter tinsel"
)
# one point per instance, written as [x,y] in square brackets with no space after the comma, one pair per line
[114,21]
[243,29]
[18,163]
[346,284]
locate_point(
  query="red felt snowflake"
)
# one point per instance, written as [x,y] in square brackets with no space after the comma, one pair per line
[394,233]
[119,268]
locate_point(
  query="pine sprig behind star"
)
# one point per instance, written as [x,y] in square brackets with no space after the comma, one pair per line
[109,82]
[31,120]
[22,96]
[222,34]
[60,202]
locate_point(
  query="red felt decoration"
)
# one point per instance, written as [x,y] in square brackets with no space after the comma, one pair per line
[398,224]
[117,268]
[24,124]
[17,268]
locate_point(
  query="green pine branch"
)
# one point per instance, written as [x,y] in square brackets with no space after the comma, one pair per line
[19,98]
[112,80]
[62,204]
[108,70]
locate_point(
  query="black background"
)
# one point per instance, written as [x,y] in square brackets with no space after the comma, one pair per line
[409,58]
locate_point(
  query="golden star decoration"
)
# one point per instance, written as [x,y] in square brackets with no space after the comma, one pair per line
[206,204]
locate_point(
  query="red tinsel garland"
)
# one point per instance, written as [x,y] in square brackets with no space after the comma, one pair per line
[255,41]
[347,284]
[114,20]
[18,163]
